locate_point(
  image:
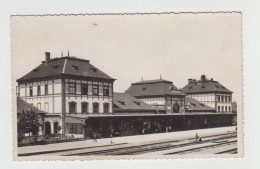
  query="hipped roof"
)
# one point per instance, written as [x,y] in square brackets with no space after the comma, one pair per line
[66,66]
[124,101]
[153,88]
[196,105]
[204,87]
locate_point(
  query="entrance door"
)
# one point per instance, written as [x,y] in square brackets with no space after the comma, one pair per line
[175,108]
[47,128]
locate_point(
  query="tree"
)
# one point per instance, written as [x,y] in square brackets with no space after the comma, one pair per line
[28,121]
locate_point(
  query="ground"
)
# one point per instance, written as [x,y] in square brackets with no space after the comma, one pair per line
[220,140]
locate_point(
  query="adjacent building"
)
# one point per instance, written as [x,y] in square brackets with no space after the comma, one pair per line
[160,93]
[209,92]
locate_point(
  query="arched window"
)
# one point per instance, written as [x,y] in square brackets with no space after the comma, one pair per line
[46,107]
[84,107]
[39,106]
[106,107]
[95,107]
[175,108]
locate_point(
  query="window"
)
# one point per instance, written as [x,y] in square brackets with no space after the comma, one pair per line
[38,90]
[75,67]
[84,89]
[31,91]
[72,107]
[55,66]
[225,98]
[229,98]
[218,108]
[56,125]
[121,102]
[84,107]
[218,98]
[106,91]
[46,89]
[39,106]
[46,107]
[229,108]
[74,128]
[95,90]
[225,108]
[138,103]
[106,107]
[222,108]
[222,98]
[72,87]
[95,107]
[93,69]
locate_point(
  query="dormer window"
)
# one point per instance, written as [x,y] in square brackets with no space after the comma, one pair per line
[93,69]
[144,88]
[138,103]
[55,66]
[190,87]
[217,86]
[75,67]
[121,102]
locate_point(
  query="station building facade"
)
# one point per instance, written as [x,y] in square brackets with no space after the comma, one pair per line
[209,92]
[66,86]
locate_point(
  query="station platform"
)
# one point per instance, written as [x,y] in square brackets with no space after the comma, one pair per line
[133,140]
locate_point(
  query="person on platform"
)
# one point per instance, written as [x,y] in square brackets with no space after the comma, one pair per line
[196,137]
[94,138]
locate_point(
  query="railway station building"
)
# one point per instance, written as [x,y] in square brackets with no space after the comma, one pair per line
[78,100]
[209,92]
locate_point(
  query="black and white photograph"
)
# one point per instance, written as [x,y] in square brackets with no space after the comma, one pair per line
[127,86]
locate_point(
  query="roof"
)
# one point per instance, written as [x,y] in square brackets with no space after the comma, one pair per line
[153,88]
[124,101]
[23,105]
[66,66]
[195,105]
[204,86]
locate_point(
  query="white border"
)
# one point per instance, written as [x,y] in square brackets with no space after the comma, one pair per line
[251,57]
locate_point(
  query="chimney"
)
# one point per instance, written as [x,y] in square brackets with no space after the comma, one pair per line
[47,57]
[203,78]
[189,80]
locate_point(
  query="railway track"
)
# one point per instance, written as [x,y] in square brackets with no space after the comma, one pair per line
[160,146]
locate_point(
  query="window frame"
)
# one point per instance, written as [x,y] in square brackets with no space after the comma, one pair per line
[31,91]
[104,107]
[84,87]
[75,108]
[95,103]
[46,89]
[95,88]
[72,87]
[106,90]
[87,107]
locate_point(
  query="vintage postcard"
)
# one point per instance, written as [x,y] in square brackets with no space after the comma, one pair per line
[127,86]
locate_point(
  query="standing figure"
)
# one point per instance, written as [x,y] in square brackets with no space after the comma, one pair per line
[94,138]
[196,137]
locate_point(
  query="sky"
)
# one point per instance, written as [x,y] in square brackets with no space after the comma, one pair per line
[131,47]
